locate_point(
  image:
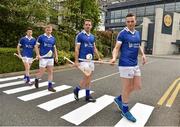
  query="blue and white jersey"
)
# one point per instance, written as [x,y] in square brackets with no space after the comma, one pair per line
[46,44]
[86,42]
[27,45]
[130,42]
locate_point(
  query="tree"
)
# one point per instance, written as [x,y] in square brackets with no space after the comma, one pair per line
[73,14]
[17,15]
[75,11]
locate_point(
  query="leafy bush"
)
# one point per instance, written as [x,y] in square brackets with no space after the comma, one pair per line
[10,63]
[62,54]
[105,41]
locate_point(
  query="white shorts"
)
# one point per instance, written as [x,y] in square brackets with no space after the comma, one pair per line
[87,66]
[27,59]
[46,62]
[129,72]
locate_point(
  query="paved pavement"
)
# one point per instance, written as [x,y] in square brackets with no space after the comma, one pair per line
[26,106]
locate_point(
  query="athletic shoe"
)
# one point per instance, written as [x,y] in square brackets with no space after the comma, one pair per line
[29,83]
[90,99]
[128,115]
[51,89]
[118,102]
[36,83]
[76,96]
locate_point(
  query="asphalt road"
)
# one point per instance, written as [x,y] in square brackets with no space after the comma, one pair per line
[157,76]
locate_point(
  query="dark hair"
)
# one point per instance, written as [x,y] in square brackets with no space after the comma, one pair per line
[29,28]
[89,20]
[130,15]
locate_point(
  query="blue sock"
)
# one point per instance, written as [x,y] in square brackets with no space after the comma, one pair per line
[28,79]
[87,92]
[119,98]
[77,88]
[49,84]
[25,77]
[125,107]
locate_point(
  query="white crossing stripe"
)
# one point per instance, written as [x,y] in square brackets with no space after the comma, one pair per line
[50,105]
[84,112]
[42,93]
[141,112]
[12,84]
[24,88]
[11,78]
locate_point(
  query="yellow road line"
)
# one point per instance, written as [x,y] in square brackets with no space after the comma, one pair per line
[173,96]
[166,94]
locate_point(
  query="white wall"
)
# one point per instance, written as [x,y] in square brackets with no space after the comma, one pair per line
[162,42]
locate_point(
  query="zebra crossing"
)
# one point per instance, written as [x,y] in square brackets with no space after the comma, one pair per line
[141,111]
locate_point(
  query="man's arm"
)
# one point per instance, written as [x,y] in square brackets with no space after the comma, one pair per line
[144,59]
[77,47]
[37,51]
[18,50]
[115,52]
[56,54]
[97,52]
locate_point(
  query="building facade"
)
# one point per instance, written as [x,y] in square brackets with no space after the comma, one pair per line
[115,15]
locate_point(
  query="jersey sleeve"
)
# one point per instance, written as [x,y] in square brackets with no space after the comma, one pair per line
[34,41]
[39,40]
[119,38]
[140,38]
[94,40]
[78,39]
[20,43]
[54,42]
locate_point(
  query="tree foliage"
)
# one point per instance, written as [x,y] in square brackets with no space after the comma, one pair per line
[73,14]
[17,15]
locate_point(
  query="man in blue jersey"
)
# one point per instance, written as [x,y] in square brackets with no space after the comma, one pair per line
[128,44]
[46,52]
[84,49]
[27,44]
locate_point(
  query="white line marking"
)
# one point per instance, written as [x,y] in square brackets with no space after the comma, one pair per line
[42,93]
[24,88]
[141,112]
[11,78]
[116,73]
[12,84]
[50,105]
[84,112]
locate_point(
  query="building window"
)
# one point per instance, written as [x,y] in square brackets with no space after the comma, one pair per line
[140,11]
[112,14]
[123,20]
[117,14]
[124,12]
[170,7]
[150,10]
[159,6]
[151,18]
[132,10]
[112,21]
[117,21]
[177,6]
[139,19]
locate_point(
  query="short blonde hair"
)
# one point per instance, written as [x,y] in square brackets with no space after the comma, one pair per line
[89,20]
[48,26]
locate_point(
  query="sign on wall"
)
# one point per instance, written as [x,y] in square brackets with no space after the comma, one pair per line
[167,23]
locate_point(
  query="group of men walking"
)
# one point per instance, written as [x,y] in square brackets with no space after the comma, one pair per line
[128,44]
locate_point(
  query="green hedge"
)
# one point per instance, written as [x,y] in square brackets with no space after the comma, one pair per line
[11,63]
